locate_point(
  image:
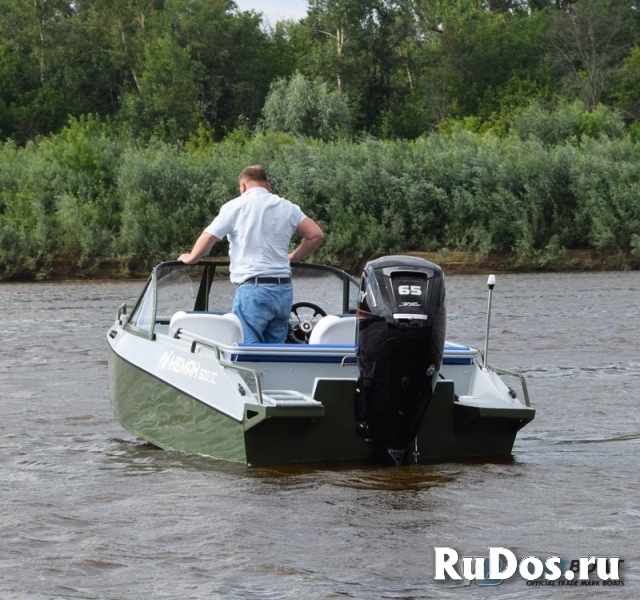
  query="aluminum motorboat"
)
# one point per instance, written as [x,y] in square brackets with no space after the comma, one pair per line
[365,373]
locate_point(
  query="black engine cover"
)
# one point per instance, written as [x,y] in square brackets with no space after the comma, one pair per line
[401,331]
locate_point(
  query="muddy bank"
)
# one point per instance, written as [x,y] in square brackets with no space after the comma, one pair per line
[452,262]
[571,260]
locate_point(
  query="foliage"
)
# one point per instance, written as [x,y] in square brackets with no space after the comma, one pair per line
[169,68]
[566,121]
[167,103]
[91,194]
[588,44]
[625,89]
[300,106]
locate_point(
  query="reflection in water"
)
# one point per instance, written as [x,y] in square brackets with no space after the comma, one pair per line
[90,512]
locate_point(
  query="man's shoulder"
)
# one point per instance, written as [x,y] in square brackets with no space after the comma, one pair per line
[265,197]
[232,204]
[256,202]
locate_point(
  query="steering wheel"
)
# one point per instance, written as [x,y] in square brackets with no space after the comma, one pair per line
[302,321]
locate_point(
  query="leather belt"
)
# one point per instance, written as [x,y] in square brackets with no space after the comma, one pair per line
[279,280]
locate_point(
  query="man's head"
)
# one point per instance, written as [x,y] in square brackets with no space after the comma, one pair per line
[253,176]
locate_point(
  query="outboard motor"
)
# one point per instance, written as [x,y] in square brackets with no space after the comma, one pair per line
[401,330]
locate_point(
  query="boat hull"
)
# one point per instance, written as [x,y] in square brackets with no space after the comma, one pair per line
[172,419]
[452,430]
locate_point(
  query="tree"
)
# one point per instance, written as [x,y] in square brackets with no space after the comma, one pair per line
[168,98]
[31,35]
[484,51]
[362,48]
[625,91]
[302,106]
[337,28]
[120,28]
[588,43]
[235,59]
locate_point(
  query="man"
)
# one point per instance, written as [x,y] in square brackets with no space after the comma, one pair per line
[259,226]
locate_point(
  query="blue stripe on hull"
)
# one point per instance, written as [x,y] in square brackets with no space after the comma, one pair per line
[272,353]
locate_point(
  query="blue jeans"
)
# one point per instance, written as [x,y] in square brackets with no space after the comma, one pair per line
[263,310]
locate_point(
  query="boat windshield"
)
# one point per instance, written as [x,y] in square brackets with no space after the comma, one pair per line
[205,286]
[178,286]
[333,290]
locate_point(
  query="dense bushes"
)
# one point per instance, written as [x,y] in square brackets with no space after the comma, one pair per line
[86,195]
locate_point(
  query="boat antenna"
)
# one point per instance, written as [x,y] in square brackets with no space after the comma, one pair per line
[491,282]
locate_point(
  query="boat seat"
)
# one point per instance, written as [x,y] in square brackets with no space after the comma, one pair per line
[224,329]
[334,330]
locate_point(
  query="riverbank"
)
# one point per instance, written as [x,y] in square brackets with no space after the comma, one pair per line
[568,261]
[452,262]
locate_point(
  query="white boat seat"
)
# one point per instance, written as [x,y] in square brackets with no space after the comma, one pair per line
[334,330]
[224,329]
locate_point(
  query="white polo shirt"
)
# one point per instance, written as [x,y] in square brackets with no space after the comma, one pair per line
[259,226]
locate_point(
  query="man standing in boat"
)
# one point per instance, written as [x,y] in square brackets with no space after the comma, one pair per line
[259,226]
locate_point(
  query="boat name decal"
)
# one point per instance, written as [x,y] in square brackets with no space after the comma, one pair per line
[188,367]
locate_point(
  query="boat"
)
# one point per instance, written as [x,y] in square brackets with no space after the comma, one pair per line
[365,374]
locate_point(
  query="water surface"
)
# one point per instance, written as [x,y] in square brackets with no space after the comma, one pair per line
[88,511]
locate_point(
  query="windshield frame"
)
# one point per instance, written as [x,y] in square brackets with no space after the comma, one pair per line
[142,320]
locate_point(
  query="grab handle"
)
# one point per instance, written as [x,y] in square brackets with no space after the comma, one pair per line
[229,365]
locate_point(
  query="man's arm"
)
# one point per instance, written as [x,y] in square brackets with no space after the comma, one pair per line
[202,246]
[311,235]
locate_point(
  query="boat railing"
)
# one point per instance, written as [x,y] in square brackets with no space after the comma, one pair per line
[499,371]
[122,312]
[195,342]
[520,377]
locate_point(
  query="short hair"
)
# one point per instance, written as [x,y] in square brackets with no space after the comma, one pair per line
[253,173]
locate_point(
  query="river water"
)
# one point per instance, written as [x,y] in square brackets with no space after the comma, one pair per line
[88,511]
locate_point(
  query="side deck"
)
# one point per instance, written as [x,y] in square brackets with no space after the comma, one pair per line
[297,366]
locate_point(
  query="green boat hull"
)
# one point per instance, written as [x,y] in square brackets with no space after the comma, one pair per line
[268,435]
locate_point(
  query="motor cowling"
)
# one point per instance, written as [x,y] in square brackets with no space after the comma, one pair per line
[401,331]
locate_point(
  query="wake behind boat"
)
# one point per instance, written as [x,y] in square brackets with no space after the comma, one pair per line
[365,373]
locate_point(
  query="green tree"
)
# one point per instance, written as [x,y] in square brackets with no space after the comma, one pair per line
[301,106]
[235,59]
[32,101]
[168,99]
[625,90]
[120,28]
[485,51]
[353,49]
[589,42]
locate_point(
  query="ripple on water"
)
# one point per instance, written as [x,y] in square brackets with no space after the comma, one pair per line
[91,512]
